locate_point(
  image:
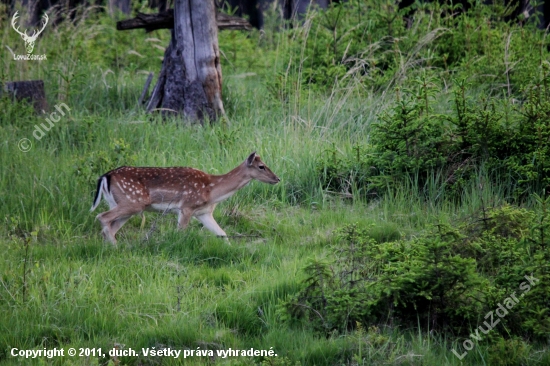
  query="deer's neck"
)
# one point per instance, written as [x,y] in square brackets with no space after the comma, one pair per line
[227,184]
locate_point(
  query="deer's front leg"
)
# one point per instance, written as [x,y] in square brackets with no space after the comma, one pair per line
[208,221]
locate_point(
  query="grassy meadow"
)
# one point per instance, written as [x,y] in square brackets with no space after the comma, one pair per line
[62,286]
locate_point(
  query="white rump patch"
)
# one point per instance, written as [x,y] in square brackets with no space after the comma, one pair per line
[104,191]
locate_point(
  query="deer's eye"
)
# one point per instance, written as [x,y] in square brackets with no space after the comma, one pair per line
[261,167]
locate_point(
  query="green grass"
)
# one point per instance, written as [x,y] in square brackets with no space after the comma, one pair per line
[61,286]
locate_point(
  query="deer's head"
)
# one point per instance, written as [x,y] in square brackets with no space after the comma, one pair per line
[259,171]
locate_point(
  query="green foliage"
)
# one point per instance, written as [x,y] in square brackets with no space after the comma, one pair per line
[13,113]
[509,352]
[344,173]
[410,140]
[426,281]
[90,167]
[537,309]
[370,41]
[408,137]
[503,127]
[334,292]
[446,279]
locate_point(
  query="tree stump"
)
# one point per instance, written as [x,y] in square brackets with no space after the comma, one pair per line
[31,91]
[190,80]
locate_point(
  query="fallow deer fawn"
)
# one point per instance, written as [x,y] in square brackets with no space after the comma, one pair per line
[189,192]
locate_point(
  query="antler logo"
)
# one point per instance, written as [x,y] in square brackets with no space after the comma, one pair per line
[29,40]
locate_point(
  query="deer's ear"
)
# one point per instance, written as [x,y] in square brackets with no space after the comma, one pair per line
[250,159]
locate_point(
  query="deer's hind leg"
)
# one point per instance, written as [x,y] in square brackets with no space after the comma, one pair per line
[112,220]
[117,224]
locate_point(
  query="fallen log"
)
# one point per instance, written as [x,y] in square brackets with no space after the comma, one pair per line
[165,20]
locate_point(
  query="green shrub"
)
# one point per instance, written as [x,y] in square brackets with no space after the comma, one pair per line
[446,279]
[90,167]
[411,142]
[508,352]
[370,41]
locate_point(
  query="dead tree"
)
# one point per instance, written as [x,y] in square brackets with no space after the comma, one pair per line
[190,80]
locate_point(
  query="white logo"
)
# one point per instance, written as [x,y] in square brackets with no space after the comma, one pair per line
[29,40]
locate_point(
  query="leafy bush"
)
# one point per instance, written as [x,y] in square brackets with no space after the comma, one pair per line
[334,294]
[90,167]
[508,352]
[410,140]
[446,279]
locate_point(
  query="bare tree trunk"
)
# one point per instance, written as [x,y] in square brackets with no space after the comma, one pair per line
[33,9]
[122,5]
[190,81]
